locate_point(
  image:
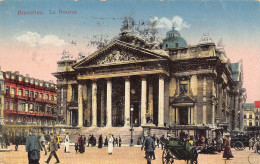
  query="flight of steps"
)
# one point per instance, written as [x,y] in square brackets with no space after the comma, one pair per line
[123,132]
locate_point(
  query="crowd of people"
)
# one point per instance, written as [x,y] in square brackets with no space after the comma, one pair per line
[110,141]
[254,144]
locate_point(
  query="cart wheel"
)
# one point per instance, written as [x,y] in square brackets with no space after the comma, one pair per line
[167,157]
[239,145]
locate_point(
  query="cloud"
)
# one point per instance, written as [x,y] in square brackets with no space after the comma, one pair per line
[167,23]
[34,39]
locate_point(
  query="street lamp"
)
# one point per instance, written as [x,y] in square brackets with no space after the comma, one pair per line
[131,110]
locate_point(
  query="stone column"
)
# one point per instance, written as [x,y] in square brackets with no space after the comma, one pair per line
[177,116]
[127,101]
[109,103]
[94,103]
[195,115]
[143,100]
[69,93]
[161,102]
[204,107]
[192,116]
[80,106]
[68,117]
[189,115]
[150,100]
[102,107]
[173,110]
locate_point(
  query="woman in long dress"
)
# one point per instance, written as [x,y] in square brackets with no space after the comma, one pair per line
[67,141]
[110,144]
[100,141]
[227,151]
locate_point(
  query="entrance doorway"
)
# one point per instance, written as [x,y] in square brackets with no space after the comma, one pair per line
[183,115]
[74,117]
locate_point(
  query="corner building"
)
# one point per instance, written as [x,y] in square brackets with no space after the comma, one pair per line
[170,85]
[26,103]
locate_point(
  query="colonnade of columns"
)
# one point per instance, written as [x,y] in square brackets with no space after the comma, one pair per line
[127,102]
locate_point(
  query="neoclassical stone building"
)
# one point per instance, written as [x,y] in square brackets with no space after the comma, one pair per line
[168,84]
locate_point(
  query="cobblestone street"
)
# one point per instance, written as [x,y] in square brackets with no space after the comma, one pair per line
[122,155]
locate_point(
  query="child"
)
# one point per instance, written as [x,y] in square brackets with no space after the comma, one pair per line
[76,147]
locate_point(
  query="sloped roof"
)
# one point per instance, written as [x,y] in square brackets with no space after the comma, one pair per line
[235,71]
[248,106]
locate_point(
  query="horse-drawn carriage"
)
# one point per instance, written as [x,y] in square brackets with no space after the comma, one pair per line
[174,149]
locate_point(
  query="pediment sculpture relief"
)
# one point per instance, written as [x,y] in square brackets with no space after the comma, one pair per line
[117,57]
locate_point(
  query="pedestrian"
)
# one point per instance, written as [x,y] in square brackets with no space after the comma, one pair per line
[67,142]
[94,141]
[16,140]
[33,147]
[76,147]
[139,141]
[251,143]
[85,140]
[43,142]
[256,145]
[116,142]
[161,139]
[120,141]
[89,140]
[157,141]
[81,144]
[219,143]
[149,148]
[106,142]
[100,141]
[53,148]
[110,144]
[113,140]
[58,141]
[227,151]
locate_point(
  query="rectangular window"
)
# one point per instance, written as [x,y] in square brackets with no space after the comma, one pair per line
[40,96]
[26,107]
[5,105]
[31,108]
[250,116]
[250,123]
[31,93]
[26,93]
[183,87]
[46,97]
[74,92]
[12,91]
[36,94]
[256,123]
[20,106]
[256,117]
[11,105]
[20,92]
[52,97]
[7,89]
[245,116]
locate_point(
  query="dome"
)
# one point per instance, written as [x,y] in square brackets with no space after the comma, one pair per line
[173,40]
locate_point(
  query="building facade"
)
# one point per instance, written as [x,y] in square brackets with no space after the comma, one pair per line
[248,114]
[257,113]
[168,85]
[26,102]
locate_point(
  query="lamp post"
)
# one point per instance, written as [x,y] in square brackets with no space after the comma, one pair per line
[131,110]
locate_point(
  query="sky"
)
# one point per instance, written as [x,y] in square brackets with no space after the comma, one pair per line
[32,44]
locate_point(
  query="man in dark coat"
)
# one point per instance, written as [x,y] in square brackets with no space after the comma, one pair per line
[100,141]
[33,148]
[53,148]
[149,148]
[120,141]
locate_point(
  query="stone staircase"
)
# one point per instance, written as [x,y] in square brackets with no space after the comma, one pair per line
[123,132]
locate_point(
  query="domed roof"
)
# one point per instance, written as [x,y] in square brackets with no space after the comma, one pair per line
[173,40]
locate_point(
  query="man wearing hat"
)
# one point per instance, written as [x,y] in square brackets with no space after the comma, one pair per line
[33,148]
[149,147]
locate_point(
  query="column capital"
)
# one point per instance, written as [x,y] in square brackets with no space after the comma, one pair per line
[108,79]
[161,76]
[143,77]
[93,80]
[127,78]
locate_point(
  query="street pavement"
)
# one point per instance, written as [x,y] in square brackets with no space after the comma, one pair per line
[123,155]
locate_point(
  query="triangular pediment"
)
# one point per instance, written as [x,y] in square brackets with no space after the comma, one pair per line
[118,53]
